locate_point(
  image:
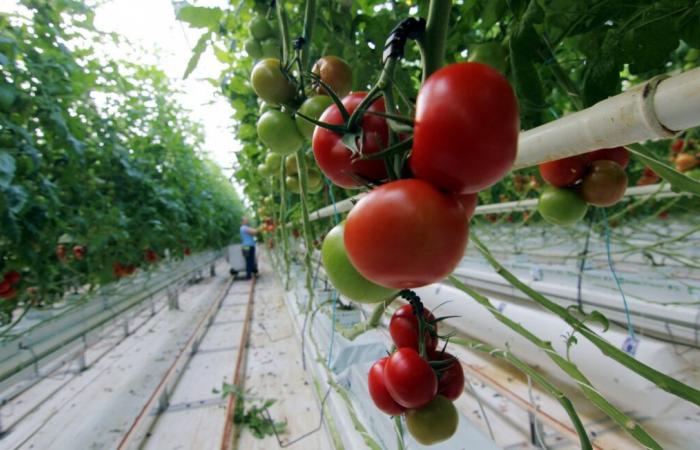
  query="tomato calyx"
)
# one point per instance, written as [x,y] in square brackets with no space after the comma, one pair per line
[425,325]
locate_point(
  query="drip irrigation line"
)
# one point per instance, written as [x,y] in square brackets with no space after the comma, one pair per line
[481,407]
[582,264]
[630,328]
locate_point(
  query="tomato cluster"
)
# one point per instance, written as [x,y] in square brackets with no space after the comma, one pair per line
[413,231]
[422,388]
[262,42]
[597,178]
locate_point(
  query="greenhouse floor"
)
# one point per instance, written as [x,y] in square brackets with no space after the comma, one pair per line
[96,407]
[157,383]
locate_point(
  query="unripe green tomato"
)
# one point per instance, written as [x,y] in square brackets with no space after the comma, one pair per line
[312,107]
[489,53]
[253,48]
[272,161]
[292,183]
[315,182]
[263,170]
[346,279]
[435,422]
[561,206]
[290,164]
[278,131]
[269,83]
[260,28]
[270,48]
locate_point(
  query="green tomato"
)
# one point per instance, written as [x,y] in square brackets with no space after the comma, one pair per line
[562,206]
[260,28]
[263,170]
[253,48]
[290,164]
[272,161]
[312,107]
[315,182]
[278,131]
[435,422]
[489,53]
[269,83]
[270,48]
[346,279]
[292,183]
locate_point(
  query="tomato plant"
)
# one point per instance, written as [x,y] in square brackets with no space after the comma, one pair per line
[345,278]
[403,328]
[562,206]
[466,128]
[269,83]
[336,160]
[604,184]
[278,131]
[334,72]
[406,234]
[378,391]
[435,422]
[564,172]
[312,107]
[409,379]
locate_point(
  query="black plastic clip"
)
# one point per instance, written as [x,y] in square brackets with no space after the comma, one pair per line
[410,28]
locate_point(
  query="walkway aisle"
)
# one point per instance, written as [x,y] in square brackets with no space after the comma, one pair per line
[95,408]
[274,371]
[197,412]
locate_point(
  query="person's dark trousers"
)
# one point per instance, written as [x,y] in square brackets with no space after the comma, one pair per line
[251,265]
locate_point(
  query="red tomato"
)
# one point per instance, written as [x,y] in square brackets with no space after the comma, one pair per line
[377,390]
[336,160]
[409,378]
[13,277]
[564,172]
[677,145]
[10,293]
[187,251]
[406,234]
[466,129]
[451,381]
[618,154]
[5,287]
[151,256]
[469,202]
[403,328]
[78,252]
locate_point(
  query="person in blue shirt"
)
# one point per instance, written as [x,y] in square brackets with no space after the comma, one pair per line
[248,234]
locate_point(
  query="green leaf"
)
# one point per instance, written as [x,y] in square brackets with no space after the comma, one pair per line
[197,53]
[690,28]
[224,57]
[679,182]
[201,17]
[7,169]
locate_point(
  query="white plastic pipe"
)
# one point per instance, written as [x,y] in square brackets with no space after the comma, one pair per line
[656,109]
[657,190]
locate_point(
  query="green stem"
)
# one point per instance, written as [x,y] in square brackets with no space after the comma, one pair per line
[373,321]
[282,222]
[284,30]
[623,420]
[384,82]
[662,380]
[306,224]
[432,44]
[309,19]
[509,357]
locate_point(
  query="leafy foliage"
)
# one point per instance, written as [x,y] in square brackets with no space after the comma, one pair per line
[253,416]
[94,153]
